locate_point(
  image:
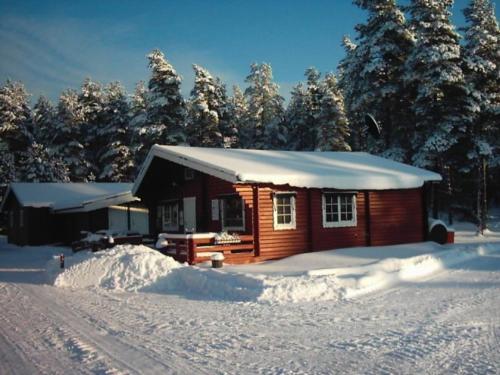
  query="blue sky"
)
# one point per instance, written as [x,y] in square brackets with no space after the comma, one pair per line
[54,45]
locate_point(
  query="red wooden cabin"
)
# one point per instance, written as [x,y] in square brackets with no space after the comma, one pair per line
[279,203]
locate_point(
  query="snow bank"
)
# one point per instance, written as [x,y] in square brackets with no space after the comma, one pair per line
[138,268]
[125,267]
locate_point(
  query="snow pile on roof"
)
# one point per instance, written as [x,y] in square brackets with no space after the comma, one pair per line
[338,170]
[125,268]
[138,268]
[65,196]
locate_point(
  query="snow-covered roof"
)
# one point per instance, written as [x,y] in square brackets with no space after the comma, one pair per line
[70,197]
[310,169]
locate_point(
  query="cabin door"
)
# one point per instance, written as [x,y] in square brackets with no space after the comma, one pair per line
[190,214]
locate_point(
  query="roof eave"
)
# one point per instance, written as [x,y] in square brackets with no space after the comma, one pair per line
[169,155]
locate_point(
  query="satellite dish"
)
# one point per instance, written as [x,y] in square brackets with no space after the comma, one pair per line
[372,125]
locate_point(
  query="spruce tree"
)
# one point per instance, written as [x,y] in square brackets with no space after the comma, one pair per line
[333,126]
[165,122]
[266,128]
[116,159]
[207,110]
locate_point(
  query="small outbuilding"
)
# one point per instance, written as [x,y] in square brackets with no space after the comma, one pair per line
[43,213]
[254,205]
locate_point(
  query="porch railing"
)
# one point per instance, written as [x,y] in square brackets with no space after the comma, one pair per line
[199,247]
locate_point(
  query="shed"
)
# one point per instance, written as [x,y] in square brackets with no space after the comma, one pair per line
[43,213]
[279,203]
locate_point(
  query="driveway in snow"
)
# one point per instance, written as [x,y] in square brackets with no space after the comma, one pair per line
[446,323]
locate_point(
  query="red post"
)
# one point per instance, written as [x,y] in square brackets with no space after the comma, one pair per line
[190,250]
[255,221]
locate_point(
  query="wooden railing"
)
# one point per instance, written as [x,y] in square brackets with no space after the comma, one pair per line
[200,247]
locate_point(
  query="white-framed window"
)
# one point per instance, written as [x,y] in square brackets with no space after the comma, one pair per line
[339,210]
[284,210]
[232,212]
[188,174]
[170,216]
[21,217]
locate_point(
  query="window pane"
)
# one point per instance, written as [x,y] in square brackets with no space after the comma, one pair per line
[233,215]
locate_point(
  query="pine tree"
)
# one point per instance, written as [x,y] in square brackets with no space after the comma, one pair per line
[37,165]
[350,67]
[333,126]
[92,103]
[481,66]
[297,116]
[237,109]
[44,117]
[116,159]
[207,109]
[266,128]
[434,74]
[383,44]
[138,119]
[304,129]
[7,167]
[15,120]
[15,117]
[165,122]
[66,143]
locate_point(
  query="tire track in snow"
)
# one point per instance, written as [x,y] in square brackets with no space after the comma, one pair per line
[30,335]
[131,356]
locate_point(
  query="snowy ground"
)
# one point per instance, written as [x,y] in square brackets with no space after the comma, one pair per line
[415,309]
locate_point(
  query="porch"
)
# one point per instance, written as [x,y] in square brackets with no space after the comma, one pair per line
[199,247]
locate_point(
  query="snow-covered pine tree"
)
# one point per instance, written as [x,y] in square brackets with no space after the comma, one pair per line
[207,108]
[333,126]
[15,121]
[237,109]
[138,118]
[266,128]
[297,116]
[383,44]
[481,53]
[15,116]
[38,165]
[66,143]
[166,113]
[92,103]
[304,129]
[44,118]
[433,72]
[351,66]
[115,159]
[7,167]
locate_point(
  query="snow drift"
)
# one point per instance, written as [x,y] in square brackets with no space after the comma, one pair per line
[138,268]
[125,267]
